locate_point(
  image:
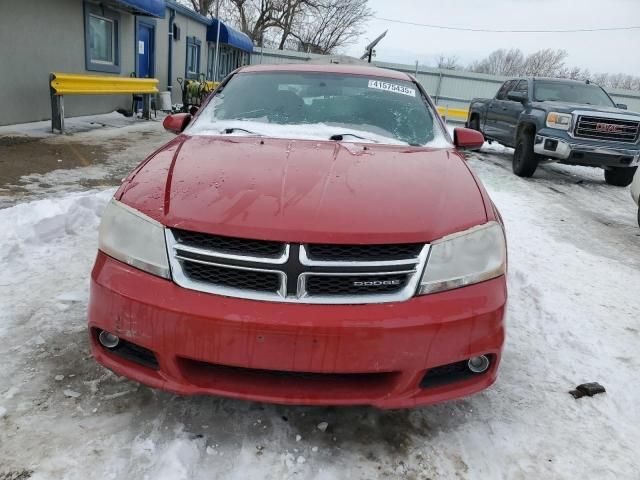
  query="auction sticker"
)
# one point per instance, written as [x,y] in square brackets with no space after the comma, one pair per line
[392,87]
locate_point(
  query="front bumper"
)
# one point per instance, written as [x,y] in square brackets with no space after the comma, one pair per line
[350,354]
[561,146]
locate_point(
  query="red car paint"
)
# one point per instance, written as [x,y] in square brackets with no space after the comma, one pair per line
[302,191]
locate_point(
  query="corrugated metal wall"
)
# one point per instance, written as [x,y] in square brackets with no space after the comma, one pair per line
[447,87]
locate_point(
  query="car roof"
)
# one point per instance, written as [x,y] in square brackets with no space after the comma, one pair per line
[550,79]
[329,68]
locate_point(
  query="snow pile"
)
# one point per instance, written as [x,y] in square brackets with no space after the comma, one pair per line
[40,241]
[72,125]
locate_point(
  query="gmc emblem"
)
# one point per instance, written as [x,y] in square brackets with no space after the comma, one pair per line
[607,127]
[376,283]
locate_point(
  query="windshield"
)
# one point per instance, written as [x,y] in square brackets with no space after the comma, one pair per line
[571,93]
[325,106]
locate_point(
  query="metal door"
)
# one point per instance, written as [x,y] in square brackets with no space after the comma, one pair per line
[145,50]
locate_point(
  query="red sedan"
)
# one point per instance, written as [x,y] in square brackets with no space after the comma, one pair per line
[311,236]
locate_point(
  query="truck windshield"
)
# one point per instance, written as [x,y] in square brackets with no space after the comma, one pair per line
[572,93]
[314,105]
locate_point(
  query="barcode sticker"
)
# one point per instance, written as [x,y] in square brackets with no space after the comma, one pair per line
[392,87]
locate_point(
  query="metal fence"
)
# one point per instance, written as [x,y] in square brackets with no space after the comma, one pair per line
[448,88]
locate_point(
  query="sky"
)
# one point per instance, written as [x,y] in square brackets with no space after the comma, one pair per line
[600,52]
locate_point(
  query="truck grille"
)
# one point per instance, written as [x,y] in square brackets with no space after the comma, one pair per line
[602,128]
[303,273]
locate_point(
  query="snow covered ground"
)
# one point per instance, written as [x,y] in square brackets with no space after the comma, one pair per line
[573,317]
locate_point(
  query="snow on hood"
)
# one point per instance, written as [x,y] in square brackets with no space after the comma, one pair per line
[307,131]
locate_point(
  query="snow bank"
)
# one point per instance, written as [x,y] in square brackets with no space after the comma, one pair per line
[41,238]
[72,125]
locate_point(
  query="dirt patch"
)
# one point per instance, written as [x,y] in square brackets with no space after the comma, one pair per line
[21,156]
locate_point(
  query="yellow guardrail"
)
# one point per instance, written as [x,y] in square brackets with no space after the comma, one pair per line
[458,113]
[61,84]
[75,84]
[211,86]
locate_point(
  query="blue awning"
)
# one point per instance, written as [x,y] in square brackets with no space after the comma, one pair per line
[152,8]
[229,36]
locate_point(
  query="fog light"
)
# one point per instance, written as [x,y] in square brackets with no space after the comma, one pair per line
[478,364]
[108,340]
[550,145]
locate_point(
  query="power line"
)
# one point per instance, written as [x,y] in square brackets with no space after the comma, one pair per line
[487,30]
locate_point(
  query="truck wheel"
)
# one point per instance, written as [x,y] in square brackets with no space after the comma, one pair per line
[525,161]
[619,176]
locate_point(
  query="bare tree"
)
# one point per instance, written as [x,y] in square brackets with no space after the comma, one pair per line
[448,63]
[330,24]
[203,7]
[501,62]
[544,63]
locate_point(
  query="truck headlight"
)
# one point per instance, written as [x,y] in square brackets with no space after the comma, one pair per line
[133,238]
[559,120]
[465,258]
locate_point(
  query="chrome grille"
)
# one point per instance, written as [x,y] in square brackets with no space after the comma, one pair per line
[603,128]
[230,277]
[303,273]
[241,246]
[354,284]
[364,252]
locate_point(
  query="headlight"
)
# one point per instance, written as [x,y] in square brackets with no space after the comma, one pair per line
[464,258]
[131,237]
[559,120]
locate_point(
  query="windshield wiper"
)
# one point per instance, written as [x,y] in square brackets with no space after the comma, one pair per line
[228,131]
[340,136]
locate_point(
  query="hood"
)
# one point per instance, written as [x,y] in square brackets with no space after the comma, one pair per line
[564,107]
[306,191]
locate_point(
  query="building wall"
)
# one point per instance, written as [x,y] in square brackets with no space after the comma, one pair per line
[38,37]
[188,28]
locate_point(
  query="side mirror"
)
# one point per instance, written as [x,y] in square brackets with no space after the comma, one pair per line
[621,106]
[177,122]
[467,139]
[518,97]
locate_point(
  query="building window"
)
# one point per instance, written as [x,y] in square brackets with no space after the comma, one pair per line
[192,64]
[102,39]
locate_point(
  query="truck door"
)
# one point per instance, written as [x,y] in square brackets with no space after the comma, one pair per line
[494,111]
[511,111]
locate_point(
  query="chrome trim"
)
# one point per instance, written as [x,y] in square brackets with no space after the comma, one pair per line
[408,290]
[230,256]
[616,116]
[306,260]
[564,149]
[590,113]
[416,264]
[283,277]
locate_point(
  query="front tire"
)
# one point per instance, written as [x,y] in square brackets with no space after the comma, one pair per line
[525,161]
[619,176]
[474,123]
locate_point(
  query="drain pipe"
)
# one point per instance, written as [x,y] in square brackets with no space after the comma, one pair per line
[172,17]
